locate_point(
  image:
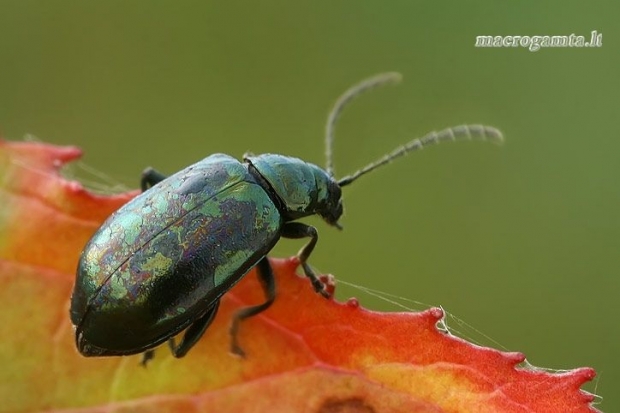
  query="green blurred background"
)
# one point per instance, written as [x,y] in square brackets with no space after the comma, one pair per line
[521,241]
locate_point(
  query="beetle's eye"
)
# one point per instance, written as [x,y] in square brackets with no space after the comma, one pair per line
[332,214]
[338,210]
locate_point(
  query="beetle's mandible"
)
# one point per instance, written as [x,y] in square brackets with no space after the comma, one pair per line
[160,264]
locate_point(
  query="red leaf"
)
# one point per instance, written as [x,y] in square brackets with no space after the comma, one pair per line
[305,353]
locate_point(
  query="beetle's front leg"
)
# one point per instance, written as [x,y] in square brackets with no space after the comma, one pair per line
[150,177]
[265,276]
[295,230]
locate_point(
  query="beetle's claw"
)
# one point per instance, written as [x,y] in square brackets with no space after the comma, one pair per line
[320,287]
[147,356]
[237,350]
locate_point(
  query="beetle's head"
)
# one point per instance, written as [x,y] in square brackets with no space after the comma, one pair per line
[330,201]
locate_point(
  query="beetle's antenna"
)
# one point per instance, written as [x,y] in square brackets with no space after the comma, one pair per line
[482,132]
[343,101]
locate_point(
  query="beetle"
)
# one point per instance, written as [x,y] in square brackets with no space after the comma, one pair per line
[159,265]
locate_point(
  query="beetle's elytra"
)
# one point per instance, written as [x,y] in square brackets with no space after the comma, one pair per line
[160,264]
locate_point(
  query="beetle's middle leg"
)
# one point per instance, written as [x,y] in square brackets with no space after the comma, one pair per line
[296,230]
[150,177]
[265,275]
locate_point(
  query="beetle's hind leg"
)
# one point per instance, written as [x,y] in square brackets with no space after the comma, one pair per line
[194,332]
[150,177]
[265,275]
[295,230]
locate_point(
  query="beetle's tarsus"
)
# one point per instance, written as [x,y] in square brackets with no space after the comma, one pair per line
[236,349]
[321,288]
[317,284]
[147,356]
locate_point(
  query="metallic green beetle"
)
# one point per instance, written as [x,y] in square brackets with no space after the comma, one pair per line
[160,264]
